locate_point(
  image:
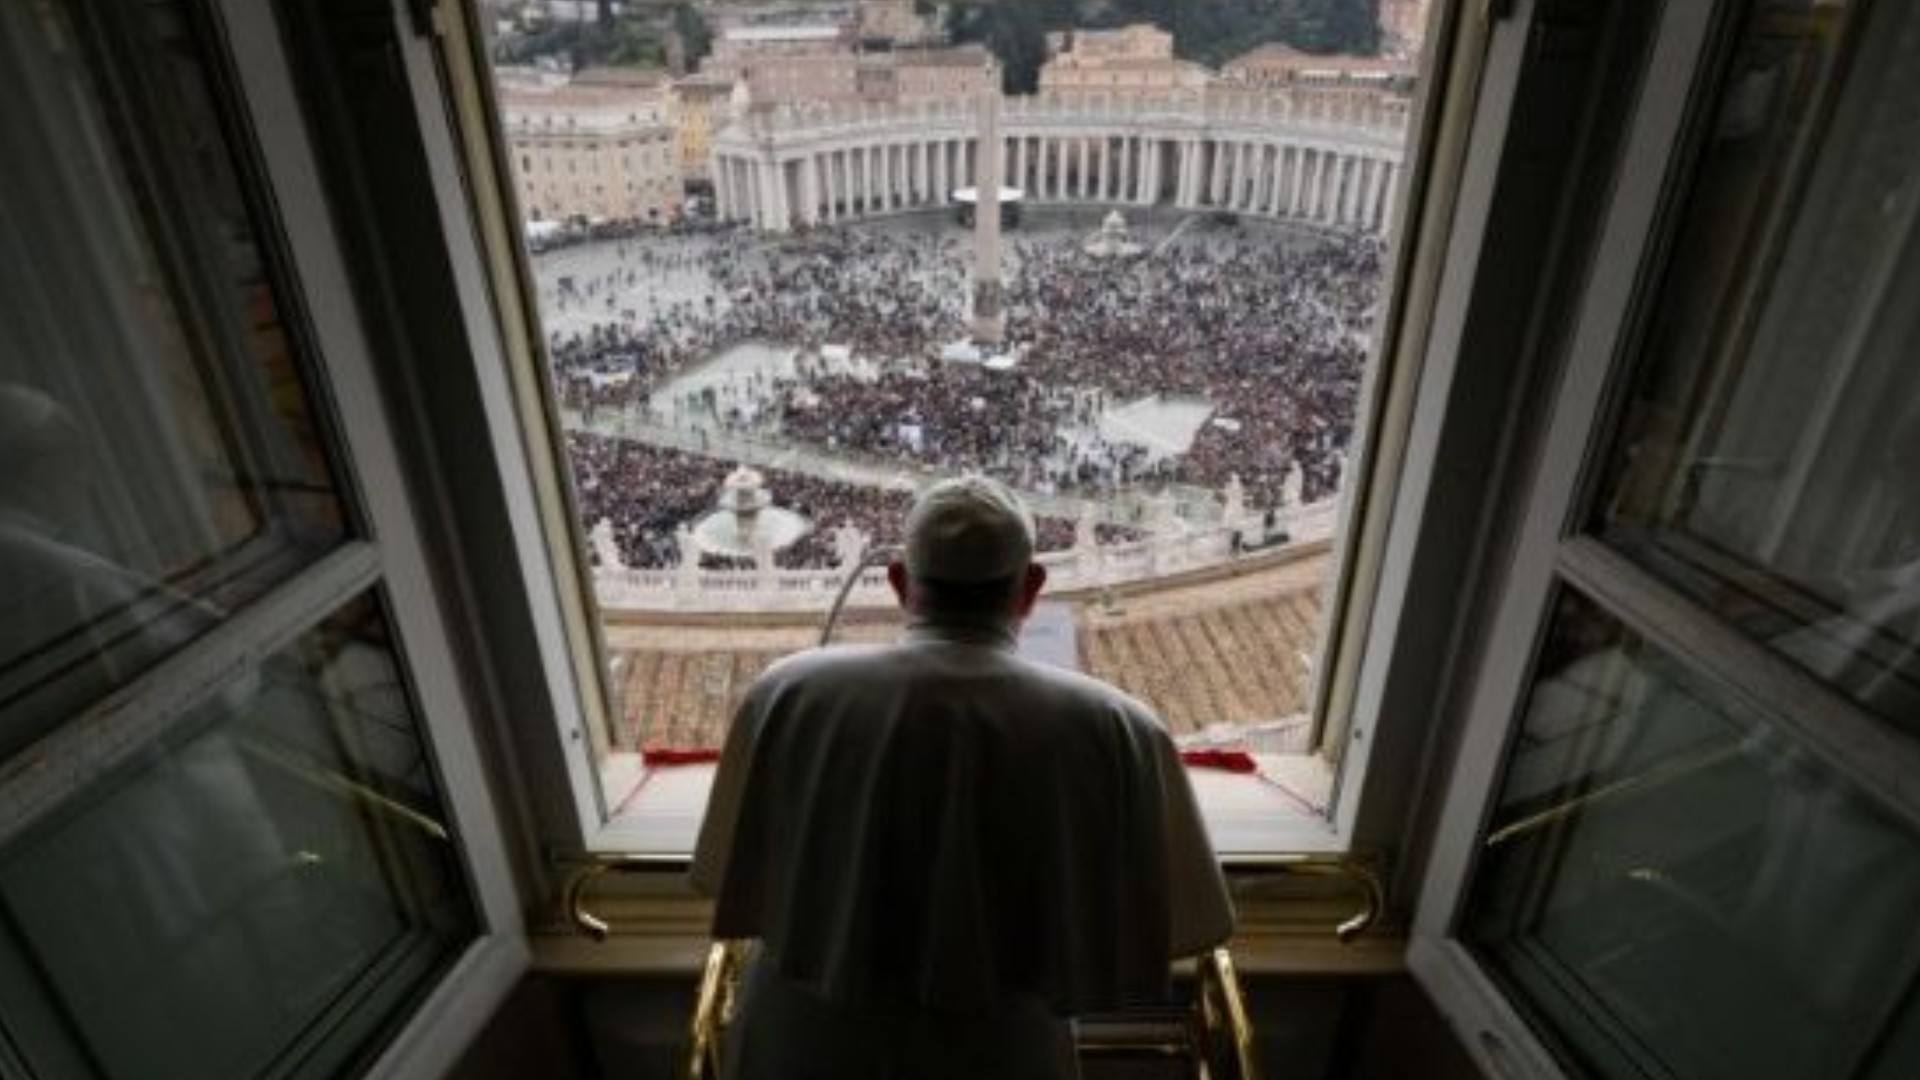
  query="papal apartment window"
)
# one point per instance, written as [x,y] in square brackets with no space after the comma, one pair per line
[749,385]
[225,848]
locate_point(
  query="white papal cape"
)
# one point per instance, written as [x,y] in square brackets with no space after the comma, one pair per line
[945,851]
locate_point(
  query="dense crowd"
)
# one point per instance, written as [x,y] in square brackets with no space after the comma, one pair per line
[645,493]
[1270,333]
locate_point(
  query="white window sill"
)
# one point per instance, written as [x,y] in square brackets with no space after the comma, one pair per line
[1278,809]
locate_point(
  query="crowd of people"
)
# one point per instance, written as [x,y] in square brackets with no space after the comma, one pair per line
[1268,330]
[645,493]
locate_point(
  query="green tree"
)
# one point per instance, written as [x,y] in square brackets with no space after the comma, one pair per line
[1334,26]
[1015,31]
[694,33]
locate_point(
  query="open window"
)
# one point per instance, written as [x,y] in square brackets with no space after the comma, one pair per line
[738,249]
[242,828]
[1681,829]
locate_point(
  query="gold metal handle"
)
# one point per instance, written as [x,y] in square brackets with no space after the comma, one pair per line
[1216,970]
[591,868]
[583,920]
[1357,869]
[713,1008]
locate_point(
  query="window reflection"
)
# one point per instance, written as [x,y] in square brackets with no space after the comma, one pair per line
[1671,879]
[1771,462]
[280,866]
[159,462]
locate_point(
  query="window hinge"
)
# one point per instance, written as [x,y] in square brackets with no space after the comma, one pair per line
[428,18]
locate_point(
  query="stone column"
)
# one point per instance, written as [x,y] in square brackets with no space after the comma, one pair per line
[1350,190]
[1277,181]
[842,185]
[762,186]
[722,205]
[1390,197]
[1322,185]
[782,198]
[809,190]
[824,185]
[1329,187]
[1336,188]
[1241,187]
[1370,211]
[1299,182]
[1080,176]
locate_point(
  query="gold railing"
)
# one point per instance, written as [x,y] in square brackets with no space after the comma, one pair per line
[1214,1034]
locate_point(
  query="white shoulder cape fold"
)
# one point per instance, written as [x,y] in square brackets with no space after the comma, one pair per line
[924,852]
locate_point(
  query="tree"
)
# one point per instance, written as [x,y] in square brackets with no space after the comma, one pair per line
[1334,26]
[1016,34]
[695,36]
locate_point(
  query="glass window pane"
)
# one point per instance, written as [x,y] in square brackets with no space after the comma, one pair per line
[1771,455]
[1670,879]
[159,459]
[263,893]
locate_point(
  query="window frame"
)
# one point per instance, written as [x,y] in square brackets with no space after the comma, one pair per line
[384,557]
[1553,550]
[473,988]
[1369,677]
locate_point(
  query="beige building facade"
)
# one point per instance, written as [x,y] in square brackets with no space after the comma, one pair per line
[698,105]
[1131,63]
[593,153]
[904,75]
[1280,66]
[895,21]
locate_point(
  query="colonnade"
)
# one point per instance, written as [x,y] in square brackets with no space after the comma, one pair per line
[1314,176]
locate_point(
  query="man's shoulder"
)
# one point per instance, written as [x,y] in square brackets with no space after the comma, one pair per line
[822,660]
[1092,691]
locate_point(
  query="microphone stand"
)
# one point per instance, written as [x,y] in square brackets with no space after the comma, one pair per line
[869,558]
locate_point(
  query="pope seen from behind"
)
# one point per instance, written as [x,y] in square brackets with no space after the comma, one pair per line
[943,850]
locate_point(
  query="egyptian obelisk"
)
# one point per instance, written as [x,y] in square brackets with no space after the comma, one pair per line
[988,322]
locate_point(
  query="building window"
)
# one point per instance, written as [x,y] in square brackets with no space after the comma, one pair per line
[1188,508]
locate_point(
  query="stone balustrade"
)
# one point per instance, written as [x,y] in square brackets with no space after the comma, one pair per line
[1090,567]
